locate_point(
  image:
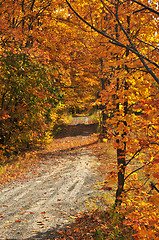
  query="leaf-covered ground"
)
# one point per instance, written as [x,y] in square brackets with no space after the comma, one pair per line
[61,184]
[42,193]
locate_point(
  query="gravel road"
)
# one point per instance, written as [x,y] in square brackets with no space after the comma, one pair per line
[38,207]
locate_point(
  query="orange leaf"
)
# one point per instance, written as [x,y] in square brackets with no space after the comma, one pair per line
[43,212]
[17,220]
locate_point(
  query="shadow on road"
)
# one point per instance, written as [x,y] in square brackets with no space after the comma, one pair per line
[76,130]
[51,234]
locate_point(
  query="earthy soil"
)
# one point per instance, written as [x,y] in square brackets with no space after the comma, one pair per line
[45,203]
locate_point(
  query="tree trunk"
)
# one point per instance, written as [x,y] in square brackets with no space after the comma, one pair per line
[121,173]
[103,129]
[121,161]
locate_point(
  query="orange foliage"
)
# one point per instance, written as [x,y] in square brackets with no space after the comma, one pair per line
[80,46]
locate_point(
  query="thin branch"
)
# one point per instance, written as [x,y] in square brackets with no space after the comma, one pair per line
[153,143]
[155,48]
[91,14]
[123,29]
[32,5]
[126,33]
[140,10]
[136,170]
[107,8]
[116,42]
[60,19]
[95,29]
[130,41]
[146,7]
[154,187]
[130,189]
[134,156]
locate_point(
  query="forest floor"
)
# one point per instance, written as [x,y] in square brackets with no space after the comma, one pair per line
[64,184]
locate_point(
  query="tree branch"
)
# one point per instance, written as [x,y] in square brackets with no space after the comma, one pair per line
[153,143]
[32,5]
[154,187]
[118,43]
[140,10]
[135,155]
[135,171]
[146,7]
[155,48]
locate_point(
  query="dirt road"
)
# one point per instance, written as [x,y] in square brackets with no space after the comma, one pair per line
[38,207]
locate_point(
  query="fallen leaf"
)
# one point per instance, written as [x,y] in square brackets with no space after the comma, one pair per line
[106,188]
[43,212]
[22,213]
[40,223]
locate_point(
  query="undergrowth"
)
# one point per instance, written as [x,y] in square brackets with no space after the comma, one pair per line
[98,225]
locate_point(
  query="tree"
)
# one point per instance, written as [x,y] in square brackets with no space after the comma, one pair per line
[133,40]
[38,71]
[27,96]
[55,51]
[131,98]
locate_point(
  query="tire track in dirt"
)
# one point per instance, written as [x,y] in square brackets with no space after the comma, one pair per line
[38,207]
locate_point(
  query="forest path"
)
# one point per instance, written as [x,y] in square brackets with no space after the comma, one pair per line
[37,207]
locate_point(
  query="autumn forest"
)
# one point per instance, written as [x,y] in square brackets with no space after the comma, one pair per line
[60,58]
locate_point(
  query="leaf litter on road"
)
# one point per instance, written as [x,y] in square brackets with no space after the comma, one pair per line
[54,162]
